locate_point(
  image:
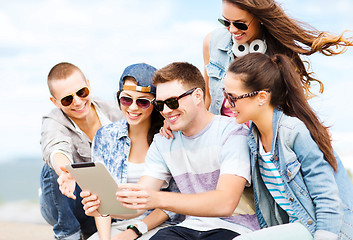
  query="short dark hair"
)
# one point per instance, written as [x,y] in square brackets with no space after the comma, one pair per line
[189,75]
[60,71]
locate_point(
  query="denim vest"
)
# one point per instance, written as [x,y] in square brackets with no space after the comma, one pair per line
[221,56]
[321,198]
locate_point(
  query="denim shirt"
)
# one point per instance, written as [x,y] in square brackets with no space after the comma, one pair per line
[111,146]
[321,198]
[221,56]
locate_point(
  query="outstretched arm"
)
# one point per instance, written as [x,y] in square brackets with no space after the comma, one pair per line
[66,182]
[218,203]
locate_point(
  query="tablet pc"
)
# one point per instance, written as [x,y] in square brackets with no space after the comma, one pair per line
[94,177]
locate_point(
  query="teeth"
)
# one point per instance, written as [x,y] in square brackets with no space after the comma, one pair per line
[238,35]
[173,118]
[133,114]
[81,108]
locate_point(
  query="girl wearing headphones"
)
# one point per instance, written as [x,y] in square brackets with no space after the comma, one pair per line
[261,26]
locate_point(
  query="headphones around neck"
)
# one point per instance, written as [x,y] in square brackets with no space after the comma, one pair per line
[257,45]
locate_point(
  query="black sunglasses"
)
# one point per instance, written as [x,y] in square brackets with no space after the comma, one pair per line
[67,100]
[239,25]
[141,102]
[232,99]
[172,102]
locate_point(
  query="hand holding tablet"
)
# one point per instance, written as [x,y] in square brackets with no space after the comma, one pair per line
[95,178]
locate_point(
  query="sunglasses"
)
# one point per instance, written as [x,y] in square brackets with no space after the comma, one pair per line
[140,102]
[67,100]
[172,102]
[238,25]
[232,99]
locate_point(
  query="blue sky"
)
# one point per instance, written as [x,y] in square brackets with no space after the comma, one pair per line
[103,37]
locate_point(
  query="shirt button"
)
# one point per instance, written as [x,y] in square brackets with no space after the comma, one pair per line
[291,199]
[276,158]
[310,222]
[289,173]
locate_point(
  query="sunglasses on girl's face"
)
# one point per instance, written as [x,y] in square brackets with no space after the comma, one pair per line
[172,102]
[238,25]
[67,100]
[232,99]
[140,102]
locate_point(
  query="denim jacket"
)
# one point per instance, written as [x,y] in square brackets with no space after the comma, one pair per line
[321,198]
[111,146]
[221,56]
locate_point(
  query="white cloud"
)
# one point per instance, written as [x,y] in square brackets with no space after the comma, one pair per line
[103,37]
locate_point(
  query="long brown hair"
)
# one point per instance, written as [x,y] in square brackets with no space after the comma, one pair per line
[291,37]
[277,74]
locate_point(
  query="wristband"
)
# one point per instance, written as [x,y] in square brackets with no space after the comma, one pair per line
[142,227]
[133,228]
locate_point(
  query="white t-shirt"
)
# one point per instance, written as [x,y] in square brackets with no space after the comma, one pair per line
[134,171]
[196,162]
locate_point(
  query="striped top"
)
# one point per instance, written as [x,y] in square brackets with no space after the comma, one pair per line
[273,181]
[197,162]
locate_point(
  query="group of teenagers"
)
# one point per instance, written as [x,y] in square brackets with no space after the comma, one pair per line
[234,153]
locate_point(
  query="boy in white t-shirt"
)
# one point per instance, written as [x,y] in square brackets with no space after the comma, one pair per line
[208,158]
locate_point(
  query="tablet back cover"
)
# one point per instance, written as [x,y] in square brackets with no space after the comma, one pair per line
[94,177]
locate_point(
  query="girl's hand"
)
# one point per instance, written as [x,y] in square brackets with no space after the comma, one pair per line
[165,131]
[90,204]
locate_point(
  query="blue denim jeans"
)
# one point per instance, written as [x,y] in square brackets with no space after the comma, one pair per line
[65,214]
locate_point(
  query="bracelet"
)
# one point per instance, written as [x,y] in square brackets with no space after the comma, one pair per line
[142,227]
[133,228]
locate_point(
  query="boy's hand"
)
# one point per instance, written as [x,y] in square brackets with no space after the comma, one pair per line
[136,196]
[66,183]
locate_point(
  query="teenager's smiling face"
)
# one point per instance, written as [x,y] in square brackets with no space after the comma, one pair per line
[246,108]
[134,113]
[182,118]
[80,107]
[232,12]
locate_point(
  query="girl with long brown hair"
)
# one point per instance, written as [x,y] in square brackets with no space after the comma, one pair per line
[299,182]
[262,26]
